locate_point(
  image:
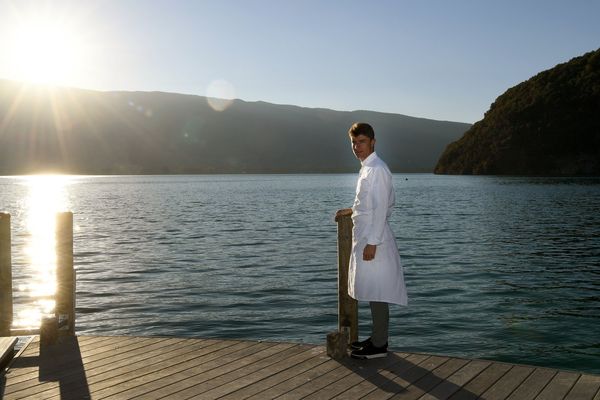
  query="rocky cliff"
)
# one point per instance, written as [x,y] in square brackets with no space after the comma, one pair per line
[548,125]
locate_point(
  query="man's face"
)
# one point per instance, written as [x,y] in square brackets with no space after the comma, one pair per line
[362,146]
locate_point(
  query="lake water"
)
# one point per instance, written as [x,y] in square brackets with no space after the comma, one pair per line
[502,268]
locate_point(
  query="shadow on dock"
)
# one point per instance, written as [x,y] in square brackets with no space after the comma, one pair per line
[397,375]
[61,363]
[162,367]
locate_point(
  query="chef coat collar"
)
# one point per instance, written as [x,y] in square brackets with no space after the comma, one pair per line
[369,159]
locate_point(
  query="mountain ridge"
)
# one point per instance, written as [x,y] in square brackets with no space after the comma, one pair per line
[82,131]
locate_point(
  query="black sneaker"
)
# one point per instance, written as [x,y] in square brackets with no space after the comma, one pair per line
[369,351]
[360,345]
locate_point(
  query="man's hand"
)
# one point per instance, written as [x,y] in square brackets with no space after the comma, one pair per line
[369,252]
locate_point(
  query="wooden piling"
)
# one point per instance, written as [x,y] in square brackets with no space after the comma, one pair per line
[337,345]
[48,331]
[347,306]
[6,302]
[65,274]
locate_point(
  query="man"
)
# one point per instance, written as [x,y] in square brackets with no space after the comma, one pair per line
[375,272]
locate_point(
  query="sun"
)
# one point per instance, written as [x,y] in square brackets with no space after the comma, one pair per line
[42,49]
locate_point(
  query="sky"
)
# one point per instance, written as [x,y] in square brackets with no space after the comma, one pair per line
[437,59]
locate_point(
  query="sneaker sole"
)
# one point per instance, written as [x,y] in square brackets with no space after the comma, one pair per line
[356,347]
[369,357]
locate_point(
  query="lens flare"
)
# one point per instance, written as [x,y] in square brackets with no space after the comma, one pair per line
[220,94]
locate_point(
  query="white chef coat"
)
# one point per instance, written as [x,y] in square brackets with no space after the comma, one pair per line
[382,278]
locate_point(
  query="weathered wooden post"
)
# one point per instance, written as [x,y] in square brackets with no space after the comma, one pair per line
[65,274]
[6,301]
[347,306]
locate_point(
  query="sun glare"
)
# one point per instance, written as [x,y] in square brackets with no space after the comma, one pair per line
[43,50]
[47,196]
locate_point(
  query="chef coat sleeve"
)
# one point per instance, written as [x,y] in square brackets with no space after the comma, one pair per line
[379,193]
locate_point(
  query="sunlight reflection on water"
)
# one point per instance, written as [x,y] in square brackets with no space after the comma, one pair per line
[501,268]
[46,196]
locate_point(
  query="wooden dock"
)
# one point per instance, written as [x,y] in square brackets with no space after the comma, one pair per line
[110,367]
[121,367]
[7,346]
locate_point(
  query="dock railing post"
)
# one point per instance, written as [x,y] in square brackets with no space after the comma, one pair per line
[6,301]
[65,274]
[347,306]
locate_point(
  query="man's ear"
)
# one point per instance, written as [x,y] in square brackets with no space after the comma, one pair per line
[373,144]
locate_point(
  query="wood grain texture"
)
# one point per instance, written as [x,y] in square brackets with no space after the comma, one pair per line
[105,367]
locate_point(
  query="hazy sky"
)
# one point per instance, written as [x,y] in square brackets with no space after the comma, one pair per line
[446,59]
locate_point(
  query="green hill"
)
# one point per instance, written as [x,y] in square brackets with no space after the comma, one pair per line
[89,132]
[548,125]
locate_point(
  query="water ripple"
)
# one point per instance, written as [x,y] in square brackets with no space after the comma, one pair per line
[497,267]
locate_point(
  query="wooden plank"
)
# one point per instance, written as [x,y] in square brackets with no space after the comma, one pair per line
[257,372]
[96,351]
[144,356]
[365,371]
[239,378]
[427,382]
[52,392]
[133,357]
[533,385]
[508,383]
[292,367]
[11,393]
[158,348]
[402,368]
[192,363]
[113,351]
[108,380]
[20,368]
[105,354]
[395,379]
[152,368]
[7,349]
[71,385]
[299,380]
[481,382]
[585,388]
[191,381]
[330,374]
[559,386]
[72,377]
[457,380]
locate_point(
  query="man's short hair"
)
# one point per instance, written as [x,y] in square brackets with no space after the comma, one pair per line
[362,128]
